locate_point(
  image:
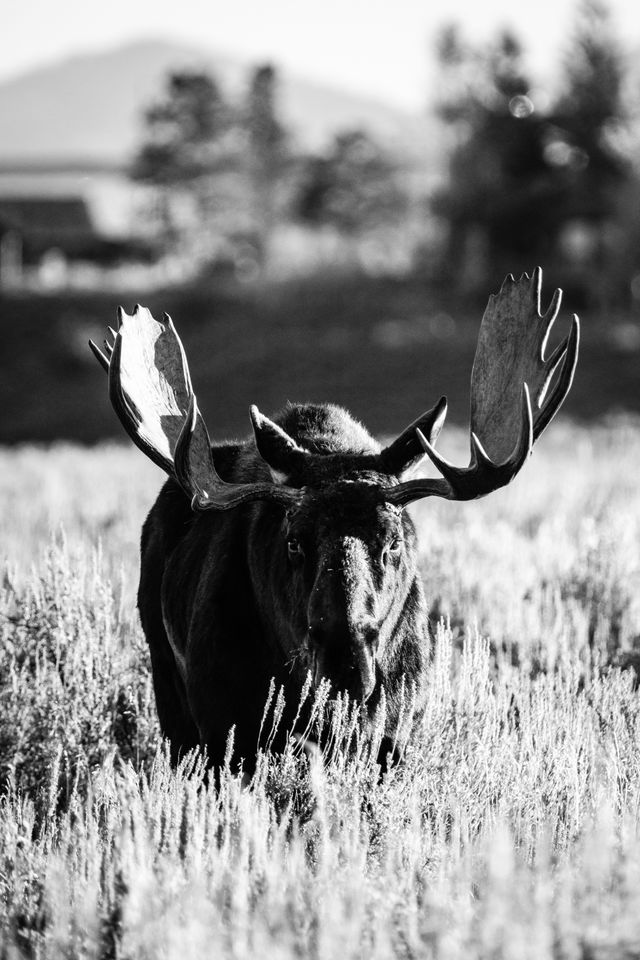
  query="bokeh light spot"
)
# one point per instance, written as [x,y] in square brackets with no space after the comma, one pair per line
[521,106]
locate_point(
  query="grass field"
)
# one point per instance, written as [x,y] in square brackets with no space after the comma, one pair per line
[512,829]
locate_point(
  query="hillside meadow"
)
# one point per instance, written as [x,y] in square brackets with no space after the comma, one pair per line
[510,830]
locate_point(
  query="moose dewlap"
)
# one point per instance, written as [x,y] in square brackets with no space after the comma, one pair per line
[291,554]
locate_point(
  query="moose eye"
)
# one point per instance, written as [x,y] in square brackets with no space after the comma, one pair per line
[392,549]
[294,547]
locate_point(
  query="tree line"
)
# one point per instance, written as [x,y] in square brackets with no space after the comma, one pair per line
[528,177]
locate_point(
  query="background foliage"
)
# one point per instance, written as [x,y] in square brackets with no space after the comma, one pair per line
[523,165]
[529,173]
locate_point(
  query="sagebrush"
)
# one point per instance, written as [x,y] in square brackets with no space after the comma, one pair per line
[510,829]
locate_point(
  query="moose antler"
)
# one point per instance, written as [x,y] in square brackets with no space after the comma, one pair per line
[510,381]
[150,390]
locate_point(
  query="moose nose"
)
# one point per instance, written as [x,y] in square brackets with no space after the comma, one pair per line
[346,656]
[324,633]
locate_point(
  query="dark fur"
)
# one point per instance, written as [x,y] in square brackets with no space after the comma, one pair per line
[240,609]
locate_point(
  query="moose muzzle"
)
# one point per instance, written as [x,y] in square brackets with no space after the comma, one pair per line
[343,628]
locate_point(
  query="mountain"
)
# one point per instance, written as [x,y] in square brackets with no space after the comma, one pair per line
[90,107]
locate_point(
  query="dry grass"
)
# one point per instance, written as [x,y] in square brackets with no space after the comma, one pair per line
[511,829]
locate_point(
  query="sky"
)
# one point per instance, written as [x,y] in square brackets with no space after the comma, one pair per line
[380,48]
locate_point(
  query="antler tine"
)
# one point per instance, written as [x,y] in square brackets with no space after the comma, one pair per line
[99,355]
[557,356]
[554,401]
[509,362]
[553,309]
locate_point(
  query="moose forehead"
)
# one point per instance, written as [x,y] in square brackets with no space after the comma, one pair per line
[348,506]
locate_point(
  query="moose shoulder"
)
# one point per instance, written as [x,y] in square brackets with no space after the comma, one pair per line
[291,553]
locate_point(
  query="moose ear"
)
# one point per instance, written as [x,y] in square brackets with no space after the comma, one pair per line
[278,450]
[406,452]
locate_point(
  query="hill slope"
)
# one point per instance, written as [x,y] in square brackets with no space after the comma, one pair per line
[91,106]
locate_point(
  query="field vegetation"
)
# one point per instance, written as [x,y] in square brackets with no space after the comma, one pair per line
[510,830]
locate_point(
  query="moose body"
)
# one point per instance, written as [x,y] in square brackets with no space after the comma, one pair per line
[226,605]
[291,554]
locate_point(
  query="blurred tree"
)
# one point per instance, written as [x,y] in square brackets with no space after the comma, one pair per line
[188,141]
[590,114]
[589,119]
[267,153]
[499,181]
[518,174]
[229,159]
[183,130]
[354,187]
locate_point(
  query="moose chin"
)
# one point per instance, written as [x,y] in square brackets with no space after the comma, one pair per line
[291,553]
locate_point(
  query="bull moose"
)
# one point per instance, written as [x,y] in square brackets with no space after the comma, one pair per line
[291,553]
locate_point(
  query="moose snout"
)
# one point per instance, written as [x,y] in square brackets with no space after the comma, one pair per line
[345,658]
[324,633]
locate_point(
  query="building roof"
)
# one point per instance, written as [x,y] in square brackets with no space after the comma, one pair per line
[40,218]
